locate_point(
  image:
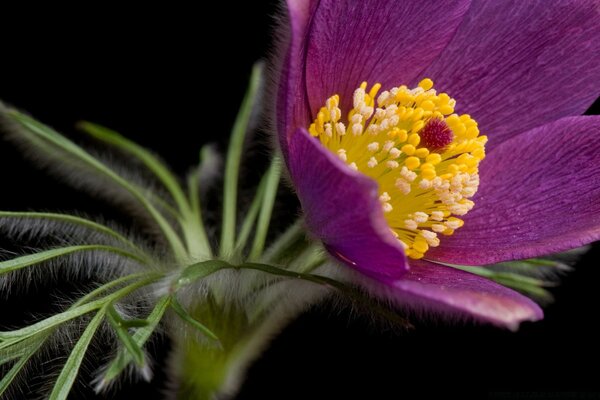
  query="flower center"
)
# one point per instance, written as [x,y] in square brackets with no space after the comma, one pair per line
[424,157]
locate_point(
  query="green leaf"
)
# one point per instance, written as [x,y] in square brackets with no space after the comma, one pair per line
[266,209]
[198,271]
[140,337]
[164,175]
[122,333]
[24,343]
[232,166]
[197,240]
[107,286]
[250,217]
[10,338]
[22,355]
[184,315]
[72,219]
[134,323]
[67,376]
[14,371]
[42,131]
[21,348]
[37,258]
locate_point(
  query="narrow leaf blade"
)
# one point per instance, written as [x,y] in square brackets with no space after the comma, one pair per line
[178,308]
[69,373]
[140,337]
[116,322]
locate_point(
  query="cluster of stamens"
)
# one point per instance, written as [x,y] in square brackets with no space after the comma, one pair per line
[424,157]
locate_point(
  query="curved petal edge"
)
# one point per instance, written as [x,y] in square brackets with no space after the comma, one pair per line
[455,294]
[342,209]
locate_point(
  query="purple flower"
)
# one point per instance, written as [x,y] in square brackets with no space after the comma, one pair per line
[389,175]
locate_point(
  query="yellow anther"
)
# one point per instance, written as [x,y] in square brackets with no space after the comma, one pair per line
[443,98]
[434,158]
[418,114]
[421,245]
[414,139]
[422,152]
[446,109]
[412,163]
[479,154]
[408,149]
[420,98]
[388,137]
[415,255]
[427,105]
[459,130]
[404,97]
[417,126]
[428,174]
[374,90]
[472,132]
[426,84]
[453,120]
[402,136]
[321,118]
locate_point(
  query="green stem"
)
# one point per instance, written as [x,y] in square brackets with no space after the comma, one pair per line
[232,166]
[251,217]
[264,218]
[195,233]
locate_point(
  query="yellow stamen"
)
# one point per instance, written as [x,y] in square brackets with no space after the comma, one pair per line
[424,157]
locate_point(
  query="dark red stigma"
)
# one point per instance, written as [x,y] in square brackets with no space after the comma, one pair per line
[436,135]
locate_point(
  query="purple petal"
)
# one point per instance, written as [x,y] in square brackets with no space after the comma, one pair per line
[448,291]
[515,65]
[382,41]
[342,209]
[537,196]
[292,104]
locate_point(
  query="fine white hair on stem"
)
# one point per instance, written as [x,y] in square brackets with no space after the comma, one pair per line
[42,234]
[64,165]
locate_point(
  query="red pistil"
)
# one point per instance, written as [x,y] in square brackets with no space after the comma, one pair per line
[436,135]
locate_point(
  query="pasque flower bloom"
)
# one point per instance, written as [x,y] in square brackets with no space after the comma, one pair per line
[397,178]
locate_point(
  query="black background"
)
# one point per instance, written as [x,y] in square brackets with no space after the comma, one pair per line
[139,71]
